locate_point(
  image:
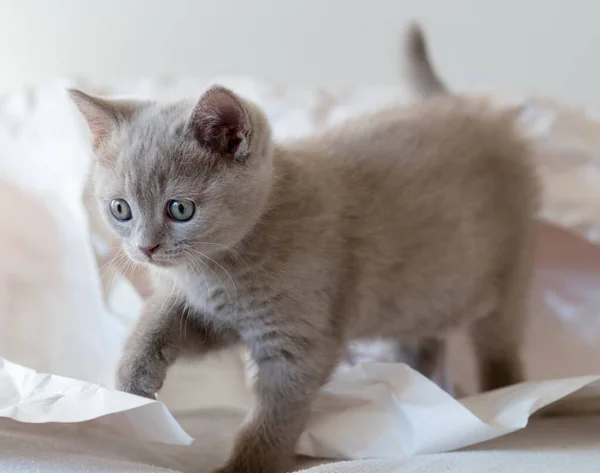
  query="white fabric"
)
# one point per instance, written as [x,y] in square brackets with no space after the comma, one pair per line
[90,447]
[547,446]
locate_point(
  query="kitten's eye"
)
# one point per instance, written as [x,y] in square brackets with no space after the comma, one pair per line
[181,210]
[120,210]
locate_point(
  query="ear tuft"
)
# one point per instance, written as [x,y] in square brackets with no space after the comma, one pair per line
[100,117]
[221,122]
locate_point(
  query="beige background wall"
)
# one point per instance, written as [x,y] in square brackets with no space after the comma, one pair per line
[548,46]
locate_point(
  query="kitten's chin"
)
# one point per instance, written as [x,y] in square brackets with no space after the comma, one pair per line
[163,263]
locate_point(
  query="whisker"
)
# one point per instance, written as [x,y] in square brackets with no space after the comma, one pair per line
[236,310]
[198,271]
[235,252]
[220,280]
[111,261]
[168,313]
[119,264]
[186,317]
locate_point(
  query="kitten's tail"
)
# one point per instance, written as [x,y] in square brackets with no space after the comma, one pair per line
[420,74]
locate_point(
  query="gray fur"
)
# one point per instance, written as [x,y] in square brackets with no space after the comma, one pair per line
[406,224]
[418,68]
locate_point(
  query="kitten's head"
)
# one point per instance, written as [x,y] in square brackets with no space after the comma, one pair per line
[180,178]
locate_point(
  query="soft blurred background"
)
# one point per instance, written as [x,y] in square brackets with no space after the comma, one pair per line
[549,47]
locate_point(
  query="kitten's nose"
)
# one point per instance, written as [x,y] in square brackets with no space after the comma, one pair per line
[148,250]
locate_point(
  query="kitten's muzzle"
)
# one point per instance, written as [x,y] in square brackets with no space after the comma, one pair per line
[148,250]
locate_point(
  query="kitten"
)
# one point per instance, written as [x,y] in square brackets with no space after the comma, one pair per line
[405,224]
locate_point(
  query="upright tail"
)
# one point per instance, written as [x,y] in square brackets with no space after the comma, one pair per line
[422,77]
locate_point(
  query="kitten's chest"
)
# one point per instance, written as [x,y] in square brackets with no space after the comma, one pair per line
[214,293]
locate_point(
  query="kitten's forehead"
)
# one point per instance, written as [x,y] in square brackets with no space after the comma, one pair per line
[155,150]
[155,132]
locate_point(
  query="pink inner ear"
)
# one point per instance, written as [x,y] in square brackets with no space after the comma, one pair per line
[220,121]
[100,128]
[101,121]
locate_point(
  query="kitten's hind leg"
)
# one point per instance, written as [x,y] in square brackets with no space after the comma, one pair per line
[422,355]
[497,346]
[498,337]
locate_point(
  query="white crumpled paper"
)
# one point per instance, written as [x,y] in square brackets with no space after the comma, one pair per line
[28,396]
[379,410]
[374,410]
[54,316]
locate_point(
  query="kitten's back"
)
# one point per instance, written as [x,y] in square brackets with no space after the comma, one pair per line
[419,198]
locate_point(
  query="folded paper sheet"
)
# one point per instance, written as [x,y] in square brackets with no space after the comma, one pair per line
[28,396]
[390,411]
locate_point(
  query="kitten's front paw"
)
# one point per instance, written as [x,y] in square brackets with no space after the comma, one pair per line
[139,379]
[133,388]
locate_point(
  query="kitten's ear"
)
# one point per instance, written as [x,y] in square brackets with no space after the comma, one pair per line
[221,122]
[102,115]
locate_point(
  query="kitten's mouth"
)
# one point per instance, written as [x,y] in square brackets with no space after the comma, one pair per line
[164,258]
[161,263]
[165,262]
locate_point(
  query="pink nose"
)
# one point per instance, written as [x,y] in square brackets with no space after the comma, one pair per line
[148,250]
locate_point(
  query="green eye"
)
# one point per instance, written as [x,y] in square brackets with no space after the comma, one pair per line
[120,210]
[181,210]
